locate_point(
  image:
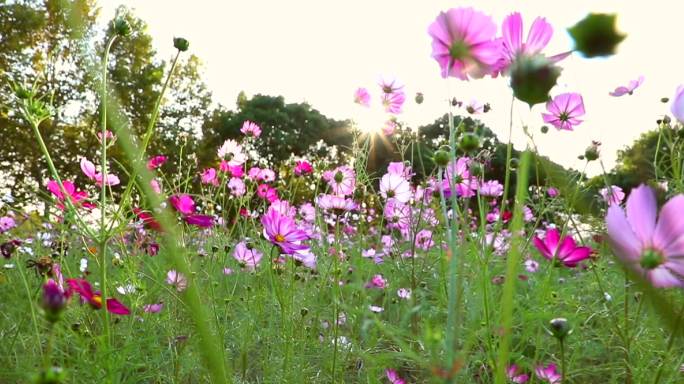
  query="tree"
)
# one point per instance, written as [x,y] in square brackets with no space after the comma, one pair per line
[287,129]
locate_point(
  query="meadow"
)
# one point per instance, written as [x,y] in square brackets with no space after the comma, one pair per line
[444,266]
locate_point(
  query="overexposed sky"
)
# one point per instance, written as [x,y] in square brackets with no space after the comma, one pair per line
[320,51]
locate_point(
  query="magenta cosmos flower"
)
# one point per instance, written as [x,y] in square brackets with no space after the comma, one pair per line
[77,197]
[208,176]
[512,45]
[651,244]
[561,250]
[282,231]
[393,376]
[183,203]
[83,288]
[463,43]
[627,89]
[156,162]
[548,374]
[564,111]
[303,167]
[514,375]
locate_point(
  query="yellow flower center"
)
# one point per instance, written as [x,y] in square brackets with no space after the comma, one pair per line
[279,238]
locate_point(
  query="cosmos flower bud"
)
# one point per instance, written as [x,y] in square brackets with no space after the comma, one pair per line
[513,165]
[592,151]
[54,300]
[419,98]
[532,77]
[21,91]
[559,328]
[121,26]
[595,35]
[544,128]
[469,142]
[441,158]
[181,44]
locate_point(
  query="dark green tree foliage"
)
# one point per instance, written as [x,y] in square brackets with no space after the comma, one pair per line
[287,129]
[40,44]
[52,43]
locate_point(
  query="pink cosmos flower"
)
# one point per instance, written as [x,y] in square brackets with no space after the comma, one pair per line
[512,45]
[209,177]
[531,266]
[424,240]
[183,203]
[463,43]
[612,195]
[394,377]
[77,197]
[176,279]
[561,250]
[377,281]
[651,244]
[83,288]
[232,153]
[305,257]
[393,102]
[393,186]
[399,168]
[236,186]
[283,207]
[109,136]
[552,192]
[677,106]
[564,111]
[475,107]
[548,374]
[246,256]
[362,97]
[342,180]
[156,162]
[282,231]
[88,169]
[491,188]
[627,89]
[390,85]
[404,293]
[514,377]
[266,192]
[303,167]
[339,204]
[153,308]
[459,173]
[389,128]
[156,187]
[250,129]
[6,223]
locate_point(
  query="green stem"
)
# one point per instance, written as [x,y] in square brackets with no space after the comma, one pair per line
[103,235]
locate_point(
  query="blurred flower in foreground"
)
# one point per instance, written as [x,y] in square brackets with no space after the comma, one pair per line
[650,244]
[463,43]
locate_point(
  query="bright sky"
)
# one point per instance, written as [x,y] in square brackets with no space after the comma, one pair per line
[321,51]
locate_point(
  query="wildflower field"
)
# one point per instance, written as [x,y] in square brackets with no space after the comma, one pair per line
[149,236]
